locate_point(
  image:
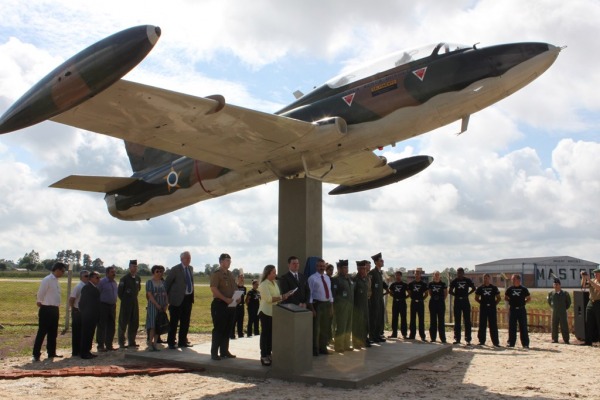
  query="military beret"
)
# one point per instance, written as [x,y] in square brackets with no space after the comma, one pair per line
[342,263]
[132,262]
[376,257]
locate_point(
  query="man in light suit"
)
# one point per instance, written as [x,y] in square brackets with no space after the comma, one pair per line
[180,290]
[294,279]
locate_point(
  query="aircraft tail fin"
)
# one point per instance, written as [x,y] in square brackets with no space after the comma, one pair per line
[142,157]
[100,184]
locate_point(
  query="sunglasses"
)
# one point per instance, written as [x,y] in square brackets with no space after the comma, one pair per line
[85,276]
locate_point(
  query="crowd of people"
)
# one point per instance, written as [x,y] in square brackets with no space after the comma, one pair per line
[348,310]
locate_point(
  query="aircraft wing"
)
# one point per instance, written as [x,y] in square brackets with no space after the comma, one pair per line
[100,184]
[202,128]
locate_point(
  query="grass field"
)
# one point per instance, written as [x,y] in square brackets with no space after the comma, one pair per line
[18,313]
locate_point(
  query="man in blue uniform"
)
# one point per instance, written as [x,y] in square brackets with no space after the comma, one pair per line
[417,290]
[488,297]
[438,292]
[461,287]
[398,291]
[517,296]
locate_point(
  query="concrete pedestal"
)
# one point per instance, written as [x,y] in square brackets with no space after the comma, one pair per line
[292,340]
[300,221]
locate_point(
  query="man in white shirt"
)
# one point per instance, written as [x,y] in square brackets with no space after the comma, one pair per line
[75,314]
[48,301]
[321,304]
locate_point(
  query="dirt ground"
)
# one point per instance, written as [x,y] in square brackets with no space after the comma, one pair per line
[545,371]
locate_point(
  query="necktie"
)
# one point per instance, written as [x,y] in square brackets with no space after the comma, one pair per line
[325,286]
[188,280]
[296,277]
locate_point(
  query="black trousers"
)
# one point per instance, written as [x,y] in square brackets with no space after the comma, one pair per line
[47,328]
[488,315]
[266,334]
[88,327]
[252,321]
[238,322]
[417,308]
[376,318]
[437,323]
[321,325]
[462,307]
[517,315]
[75,332]
[180,316]
[399,309]
[222,317]
[105,333]
[592,318]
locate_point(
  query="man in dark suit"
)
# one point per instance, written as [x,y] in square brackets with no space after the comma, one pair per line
[89,308]
[180,289]
[294,279]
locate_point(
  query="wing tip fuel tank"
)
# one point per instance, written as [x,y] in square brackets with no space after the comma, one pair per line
[404,168]
[81,77]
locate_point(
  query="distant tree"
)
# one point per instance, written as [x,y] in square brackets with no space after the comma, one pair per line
[30,260]
[77,256]
[48,263]
[6,265]
[98,265]
[144,269]
[87,261]
[235,272]
[207,269]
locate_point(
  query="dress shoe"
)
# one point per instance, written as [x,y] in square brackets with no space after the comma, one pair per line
[357,347]
[35,359]
[265,361]
[315,353]
[456,342]
[75,355]
[382,339]
[159,340]
[172,347]
[88,356]
[111,349]
[228,355]
[348,349]
[324,352]
[185,345]
[370,341]
[134,345]
[367,344]
[55,356]
[392,336]
[101,349]
[497,345]
[555,341]
[215,358]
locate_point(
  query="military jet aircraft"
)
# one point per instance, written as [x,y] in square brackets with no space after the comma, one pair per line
[184,149]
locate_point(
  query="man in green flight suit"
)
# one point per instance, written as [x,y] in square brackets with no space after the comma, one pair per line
[360,315]
[342,288]
[129,313]
[560,301]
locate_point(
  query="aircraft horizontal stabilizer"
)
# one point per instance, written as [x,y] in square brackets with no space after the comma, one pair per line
[402,169]
[100,184]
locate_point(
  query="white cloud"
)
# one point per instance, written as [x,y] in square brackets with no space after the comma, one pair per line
[489,193]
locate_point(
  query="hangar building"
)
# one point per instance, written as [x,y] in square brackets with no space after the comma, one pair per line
[536,272]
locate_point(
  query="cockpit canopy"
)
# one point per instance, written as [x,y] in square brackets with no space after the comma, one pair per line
[393,60]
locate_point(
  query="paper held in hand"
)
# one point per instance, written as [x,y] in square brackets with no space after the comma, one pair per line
[236,296]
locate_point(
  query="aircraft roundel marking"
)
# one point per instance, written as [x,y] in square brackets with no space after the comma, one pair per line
[348,99]
[172,179]
[420,73]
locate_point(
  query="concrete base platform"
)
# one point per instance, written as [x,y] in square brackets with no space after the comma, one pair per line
[347,370]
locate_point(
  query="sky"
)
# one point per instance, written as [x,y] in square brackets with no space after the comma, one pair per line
[523,181]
